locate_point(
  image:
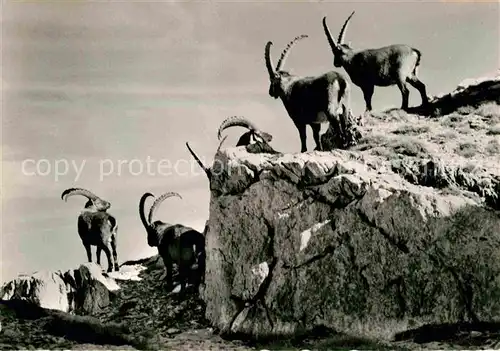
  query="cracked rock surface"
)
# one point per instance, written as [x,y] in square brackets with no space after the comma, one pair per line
[298,241]
[84,290]
[140,315]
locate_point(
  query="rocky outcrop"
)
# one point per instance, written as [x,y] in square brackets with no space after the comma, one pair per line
[298,241]
[84,290]
[69,327]
[438,174]
[143,315]
[343,132]
[470,92]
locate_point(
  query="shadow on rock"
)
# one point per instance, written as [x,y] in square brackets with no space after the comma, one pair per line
[81,329]
[320,337]
[467,334]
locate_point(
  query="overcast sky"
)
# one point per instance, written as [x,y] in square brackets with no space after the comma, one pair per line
[96,83]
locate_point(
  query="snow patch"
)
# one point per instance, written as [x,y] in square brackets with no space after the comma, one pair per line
[305,236]
[261,271]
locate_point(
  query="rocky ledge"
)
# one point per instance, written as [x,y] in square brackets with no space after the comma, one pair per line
[340,240]
[393,243]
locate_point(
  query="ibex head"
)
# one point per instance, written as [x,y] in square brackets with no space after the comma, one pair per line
[94,201]
[340,50]
[153,239]
[240,121]
[279,78]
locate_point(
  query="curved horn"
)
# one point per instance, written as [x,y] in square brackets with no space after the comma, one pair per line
[78,191]
[344,27]
[332,42]
[220,144]
[142,214]
[236,121]
[205,169]
[285,52]
[158,201]
[269,60]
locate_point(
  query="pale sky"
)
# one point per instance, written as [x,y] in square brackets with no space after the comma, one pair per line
[102,82]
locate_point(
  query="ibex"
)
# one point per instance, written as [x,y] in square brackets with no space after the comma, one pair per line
[176,243]
[96,227]
[308,100]
[253,134]
[255,140]
[390,65]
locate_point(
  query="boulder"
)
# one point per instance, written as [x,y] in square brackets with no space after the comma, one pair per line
[327,239]
[471,92]
[84,290]
[43,288]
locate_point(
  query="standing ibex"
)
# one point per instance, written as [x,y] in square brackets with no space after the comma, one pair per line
[96,227]
[390,65]
[176,243]
[308,100]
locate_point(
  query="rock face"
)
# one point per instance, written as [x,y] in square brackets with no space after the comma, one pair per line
[83,290]
[470,92]
[325,239]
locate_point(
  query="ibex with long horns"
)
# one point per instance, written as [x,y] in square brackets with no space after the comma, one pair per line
[308,100]
[255,140]
[254,134]
[390,65]
[96,227]
[176,243]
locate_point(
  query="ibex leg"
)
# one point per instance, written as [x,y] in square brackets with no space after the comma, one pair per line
[89,252]
[167,261]
[368,94]
[417,84]
[108,251]
[316,128]
[115,254]
[302,133]
[98,255]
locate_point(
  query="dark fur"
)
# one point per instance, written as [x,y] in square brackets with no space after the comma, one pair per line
[99,228]
[260,147]
[308,100]
[96,227]
[389,65]
[251,137]
[177,244]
